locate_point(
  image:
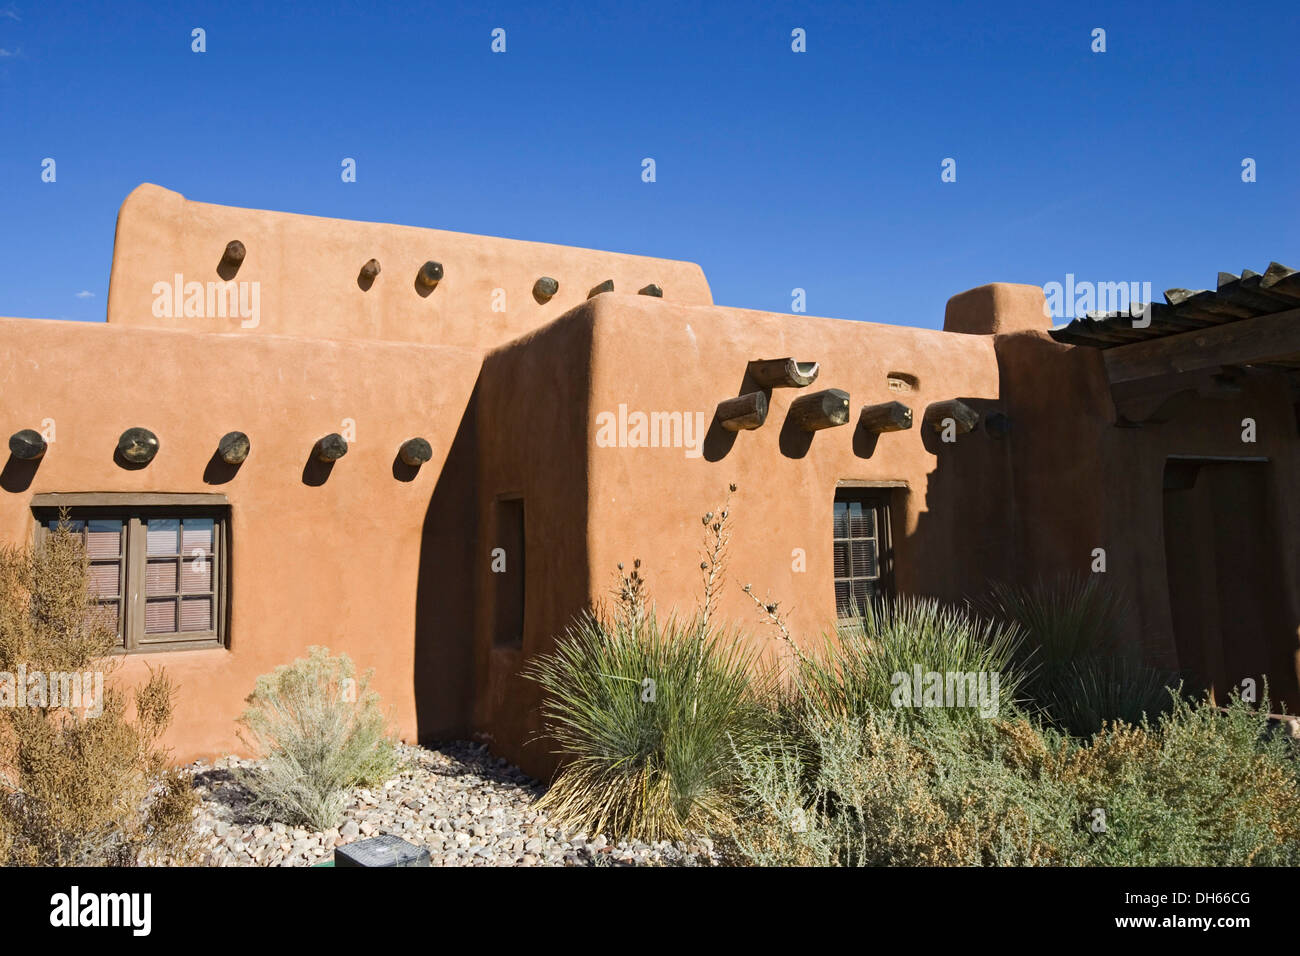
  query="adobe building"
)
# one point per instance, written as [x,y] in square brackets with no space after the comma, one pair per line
[430,450]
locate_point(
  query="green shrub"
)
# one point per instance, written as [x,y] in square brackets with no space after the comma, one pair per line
[321,733]
[645,716]
[1080,673]
[1197,787]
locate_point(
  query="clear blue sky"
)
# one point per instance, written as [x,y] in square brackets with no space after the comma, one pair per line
[775,170]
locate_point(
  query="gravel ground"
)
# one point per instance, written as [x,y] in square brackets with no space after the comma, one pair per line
[466,806]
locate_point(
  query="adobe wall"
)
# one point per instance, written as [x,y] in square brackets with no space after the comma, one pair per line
[533,405]
[338,563]
[530,413]
[647,502]
[307,271]
[1082,483]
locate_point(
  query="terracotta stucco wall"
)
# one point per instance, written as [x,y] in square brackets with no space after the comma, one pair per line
[307,269]
[1081,483]
[337,563]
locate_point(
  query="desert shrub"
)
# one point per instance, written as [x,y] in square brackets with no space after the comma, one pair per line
[80,782]
[645,760]
[320,732]
[1198,786]
[1195,787]
[854,673]
[1080,673]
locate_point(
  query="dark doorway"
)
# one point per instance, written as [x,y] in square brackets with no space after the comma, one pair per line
[1225,583]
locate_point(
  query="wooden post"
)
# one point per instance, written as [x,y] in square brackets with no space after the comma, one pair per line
[331,448]
[544,289]
[27,445]
[824,409]
[653,290]
[138,446]
[415,452]
[963,416]
[782,373]
[606,286]
[743,413]
[888,417]
[233,448]
[430,274]
[370,270]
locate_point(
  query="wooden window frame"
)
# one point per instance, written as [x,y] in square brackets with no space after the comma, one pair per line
[879,497]
[134,511]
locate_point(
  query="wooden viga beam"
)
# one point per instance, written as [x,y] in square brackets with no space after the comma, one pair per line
[27,445]
[964,417]
[415,452]
[234,448]
[824,409]
[138,446]
[331,448]
[782,373]
[743,413]
[887,417]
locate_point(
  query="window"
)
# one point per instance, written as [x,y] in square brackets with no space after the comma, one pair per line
[863,555]
[158,569]
[509,574]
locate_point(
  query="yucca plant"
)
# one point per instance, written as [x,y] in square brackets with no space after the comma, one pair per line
[858,671]
[645,716]
[1080,673]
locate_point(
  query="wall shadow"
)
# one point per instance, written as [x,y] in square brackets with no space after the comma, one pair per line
[18,474]
[218,471]
[443,677]
[316,472]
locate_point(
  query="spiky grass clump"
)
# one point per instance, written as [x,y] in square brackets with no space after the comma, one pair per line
[856,673]
[322,733]
[1080,673]
[646,716]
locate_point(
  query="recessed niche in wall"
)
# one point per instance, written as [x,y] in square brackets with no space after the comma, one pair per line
[508,574]
[902,382]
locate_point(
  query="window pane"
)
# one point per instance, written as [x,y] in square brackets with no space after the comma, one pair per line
[104,538]
[197,575]
[75,526]
[163,535]
[160,577]
[841,519]
[197,535]
[842,599]
[104,578]
[110,612]
[863,591]
[861,520]
[864,558]
[196,614]
[160,616]
[842,566]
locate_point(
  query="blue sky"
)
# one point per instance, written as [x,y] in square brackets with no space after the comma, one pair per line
[774,169]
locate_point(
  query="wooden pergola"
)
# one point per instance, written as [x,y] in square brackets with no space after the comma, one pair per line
[1197,343]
